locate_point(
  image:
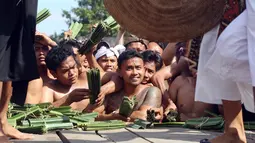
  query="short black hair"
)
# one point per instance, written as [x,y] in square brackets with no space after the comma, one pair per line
[70,43]
[128,54]
[56,56]
[162,44]
[129,43]
[151,56]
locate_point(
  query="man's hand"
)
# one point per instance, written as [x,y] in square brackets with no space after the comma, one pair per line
[68,34]
[117,116]
[158,113]
[159,81]
[100,98]
[43,39]
[170,107]
[77,95]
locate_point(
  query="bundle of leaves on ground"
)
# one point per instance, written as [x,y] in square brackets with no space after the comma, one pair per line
[41,118]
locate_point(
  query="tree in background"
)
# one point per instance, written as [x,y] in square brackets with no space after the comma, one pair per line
[88,12]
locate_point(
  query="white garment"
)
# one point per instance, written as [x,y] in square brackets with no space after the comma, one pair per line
[250,5]
[108,52]
[225,73]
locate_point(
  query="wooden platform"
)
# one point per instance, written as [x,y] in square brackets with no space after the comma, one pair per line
[128,135]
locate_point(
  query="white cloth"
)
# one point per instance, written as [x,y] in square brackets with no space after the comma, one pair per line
[225,73]
[250,5]
[108,52]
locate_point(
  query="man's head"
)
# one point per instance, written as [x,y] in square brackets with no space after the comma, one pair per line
[75,45]
[131,67]
[42,46]
[139,46]
[63,66]
[152,63]
[108,63]
[153,46]
[106,56]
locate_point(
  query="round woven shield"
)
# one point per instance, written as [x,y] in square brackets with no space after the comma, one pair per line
[166,20]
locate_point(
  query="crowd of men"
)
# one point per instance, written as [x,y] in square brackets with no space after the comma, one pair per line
[163,77]
[135,68]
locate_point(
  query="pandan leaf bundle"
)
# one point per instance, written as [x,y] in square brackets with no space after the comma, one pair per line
[127,106]
[94,83]
[42,15]
[75,28]
[98,33]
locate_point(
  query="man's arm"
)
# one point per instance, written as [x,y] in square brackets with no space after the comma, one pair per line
[173,90]
[153,99]
[76,97]
[169,53]
[114,85]
[120,37]
[34,91]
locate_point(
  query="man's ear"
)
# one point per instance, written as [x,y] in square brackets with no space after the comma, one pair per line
[53,73]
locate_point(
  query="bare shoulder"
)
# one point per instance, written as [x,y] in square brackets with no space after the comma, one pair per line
[153,97]
[35,83]
[178,81]
[153,90]
[52,84]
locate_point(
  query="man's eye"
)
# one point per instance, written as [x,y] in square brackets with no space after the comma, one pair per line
[45,48]
[138,68]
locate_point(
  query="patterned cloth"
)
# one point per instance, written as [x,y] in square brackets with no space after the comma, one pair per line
[232,10]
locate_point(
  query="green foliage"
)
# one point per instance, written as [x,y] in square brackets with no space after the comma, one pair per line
[57,37]
[88,12]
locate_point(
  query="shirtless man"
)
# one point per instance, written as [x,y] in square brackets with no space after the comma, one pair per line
[152,63]
[153,46]
[32,94]
[131,69]
[182,89]
[182,92]
[63,66]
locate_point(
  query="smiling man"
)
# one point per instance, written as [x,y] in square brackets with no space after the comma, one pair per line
[131,69]
[152,63]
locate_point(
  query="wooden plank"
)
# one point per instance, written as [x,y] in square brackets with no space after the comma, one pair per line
[176,135]
[73,136]
[122,135]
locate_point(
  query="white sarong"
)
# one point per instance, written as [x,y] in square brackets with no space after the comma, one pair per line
[224,70]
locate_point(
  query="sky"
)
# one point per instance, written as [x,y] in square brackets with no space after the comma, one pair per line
[54,23]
